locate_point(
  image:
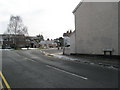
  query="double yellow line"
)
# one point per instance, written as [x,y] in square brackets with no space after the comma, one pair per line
[5,82]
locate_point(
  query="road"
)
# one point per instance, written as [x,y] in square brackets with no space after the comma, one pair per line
[31,69]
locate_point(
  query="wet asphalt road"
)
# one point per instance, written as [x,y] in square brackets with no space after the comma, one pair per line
[31,69]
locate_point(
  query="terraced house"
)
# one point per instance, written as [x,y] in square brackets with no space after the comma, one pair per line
[97,28]
[11,40]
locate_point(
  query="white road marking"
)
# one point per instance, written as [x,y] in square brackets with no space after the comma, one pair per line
[32,60]
[67,72]
[29,59]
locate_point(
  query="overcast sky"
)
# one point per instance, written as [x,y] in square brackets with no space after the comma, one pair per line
[48,17]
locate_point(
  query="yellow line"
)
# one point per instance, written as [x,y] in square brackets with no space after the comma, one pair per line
[6,83]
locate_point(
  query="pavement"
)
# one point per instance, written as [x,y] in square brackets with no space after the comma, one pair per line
[99,61]
[33,69]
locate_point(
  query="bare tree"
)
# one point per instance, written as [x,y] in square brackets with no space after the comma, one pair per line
[16,26]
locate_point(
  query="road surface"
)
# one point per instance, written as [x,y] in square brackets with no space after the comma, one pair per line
[31,69]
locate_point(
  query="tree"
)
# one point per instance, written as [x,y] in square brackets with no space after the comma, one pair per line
[40,38]
[16,26]
[48,39]
[61,40]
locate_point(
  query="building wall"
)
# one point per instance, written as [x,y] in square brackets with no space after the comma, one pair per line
[66,51]
[119,28]
[72,43]
[10,40]
[48,44]
[96,26]
[66,41]
[1,41]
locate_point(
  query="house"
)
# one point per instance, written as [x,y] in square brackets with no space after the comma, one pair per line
[33,41]
[66,49]
[11,41]
[97,30]
[1,41]
[19,41]
[48,44]
[72,42]
[67,38]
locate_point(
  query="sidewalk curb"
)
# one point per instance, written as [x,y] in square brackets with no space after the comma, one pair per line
[86,62]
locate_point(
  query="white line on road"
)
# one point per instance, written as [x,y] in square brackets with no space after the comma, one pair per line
[29,59]
[32,60]
[67,72]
